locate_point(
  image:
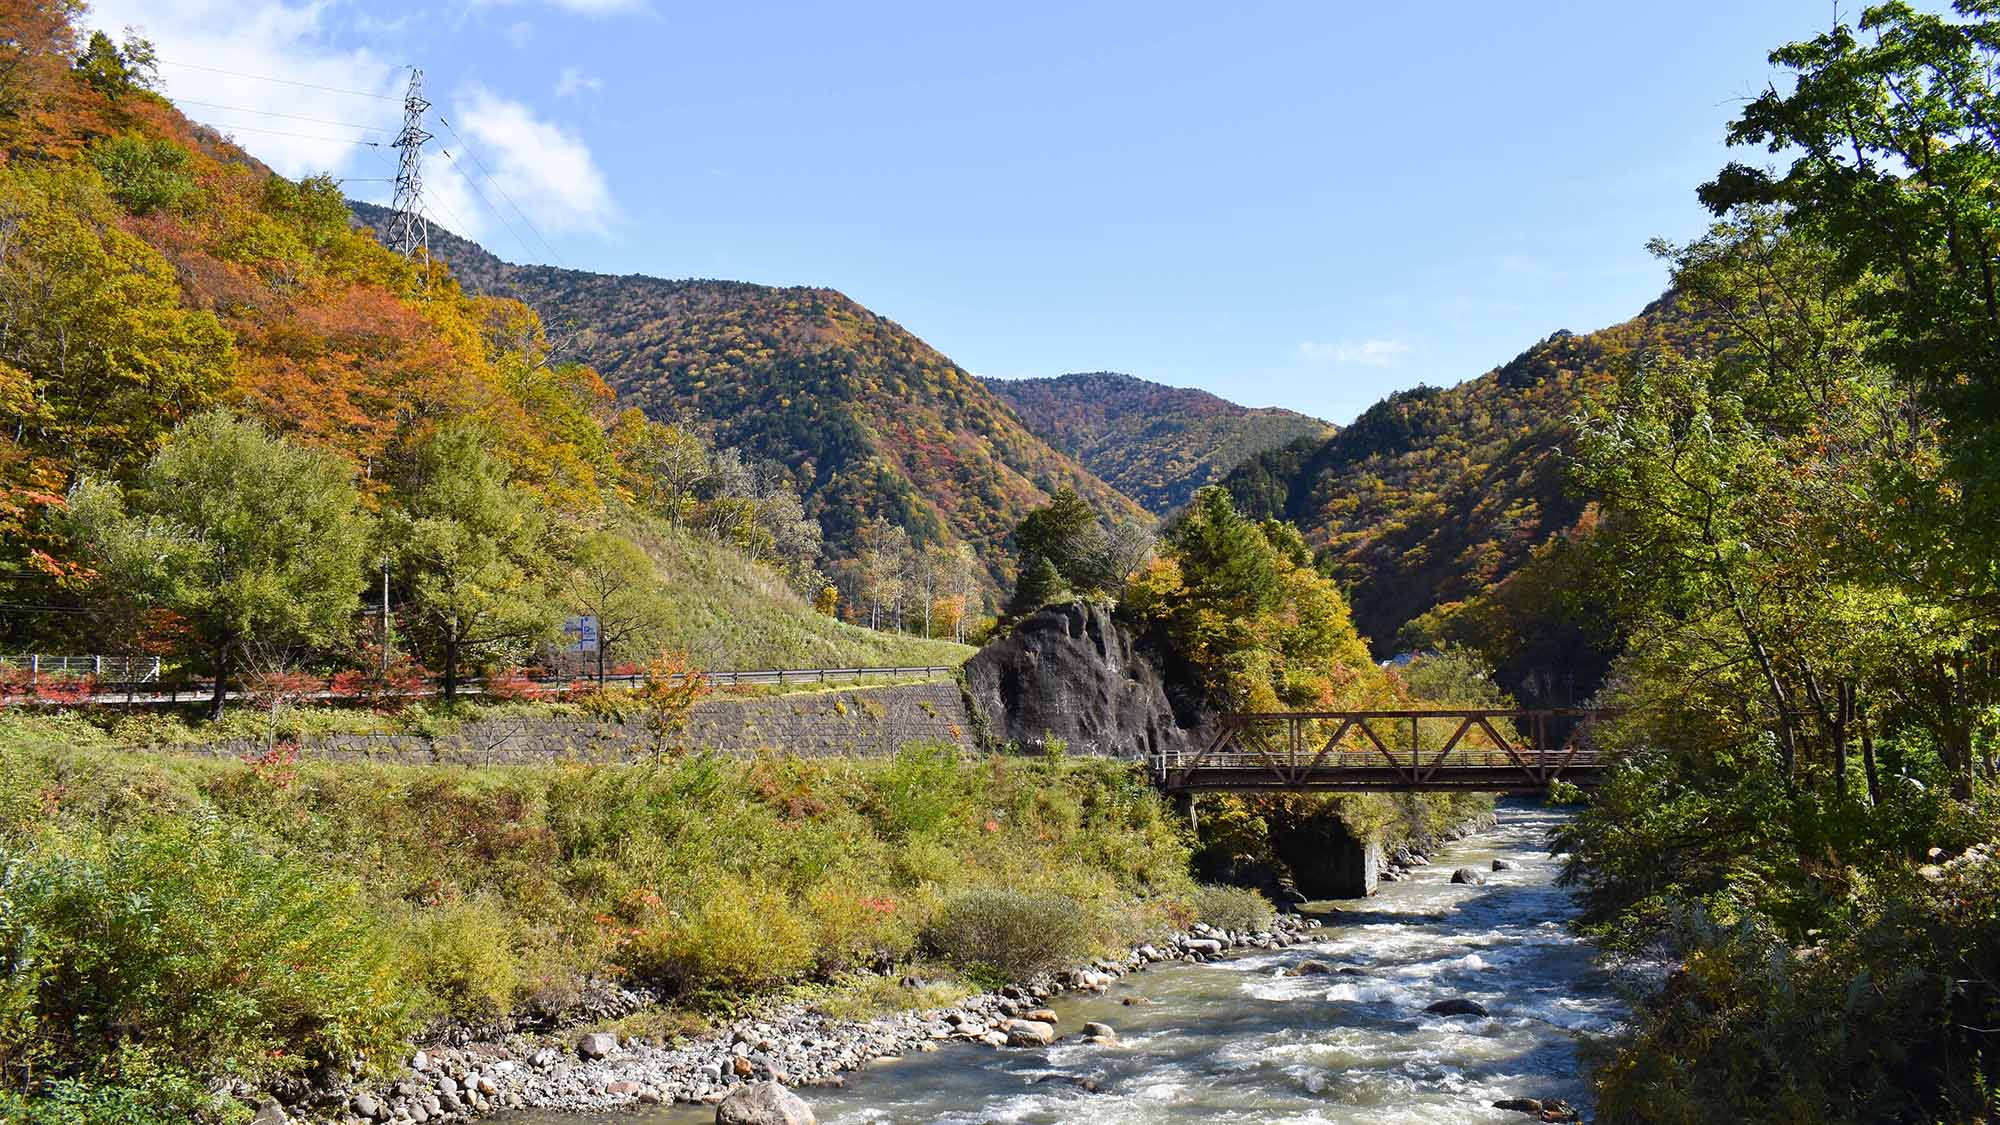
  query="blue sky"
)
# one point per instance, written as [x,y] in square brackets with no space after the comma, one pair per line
[1303,204]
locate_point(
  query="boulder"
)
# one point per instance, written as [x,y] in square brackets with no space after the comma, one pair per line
[1071,672]
[1505,865]
[369,1106]
[764,1103]
[1028,1033]
[596,1045]
[1100,1033]
[1457,1006]
[1311,969]
[1469,876]
[270,1113]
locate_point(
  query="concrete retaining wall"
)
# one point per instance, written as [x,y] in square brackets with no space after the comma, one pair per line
[856,722]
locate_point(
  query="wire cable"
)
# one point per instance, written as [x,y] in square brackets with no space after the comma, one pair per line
[286,116]
[227,129]
[497,213]
[280,81]
[469,151]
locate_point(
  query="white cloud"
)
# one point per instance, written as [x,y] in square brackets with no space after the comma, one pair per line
[306,124]
[575,81]
[1372,352]
[533,164]
[521,34]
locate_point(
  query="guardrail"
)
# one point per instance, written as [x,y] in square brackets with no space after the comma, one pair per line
[122,669]
[128,692]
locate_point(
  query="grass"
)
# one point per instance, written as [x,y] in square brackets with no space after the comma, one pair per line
[165,919]
[728,612]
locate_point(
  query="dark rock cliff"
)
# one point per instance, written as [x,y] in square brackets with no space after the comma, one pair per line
[1072,672]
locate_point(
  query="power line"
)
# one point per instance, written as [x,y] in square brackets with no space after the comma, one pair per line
[497,213]
[282,133]
[287,116]
[280,81]
[467,146]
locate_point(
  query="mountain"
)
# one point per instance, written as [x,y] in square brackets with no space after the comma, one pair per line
[869,420]
[1155,443]
[1435,498]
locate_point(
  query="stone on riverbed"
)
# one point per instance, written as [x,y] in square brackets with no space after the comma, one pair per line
[1469,877]
[1311,969]
[1505,865]
[764,1103]
[1102,1034]
[1028,1033]
[596,1045]
[1457,1006]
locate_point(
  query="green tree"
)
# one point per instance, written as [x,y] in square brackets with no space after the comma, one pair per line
[254,542]
[470,556]
[1041,584]
[612,579]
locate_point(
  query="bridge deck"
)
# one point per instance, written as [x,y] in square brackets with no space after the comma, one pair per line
[1469,750]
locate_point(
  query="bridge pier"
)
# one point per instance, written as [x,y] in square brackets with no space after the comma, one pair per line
[1326,859]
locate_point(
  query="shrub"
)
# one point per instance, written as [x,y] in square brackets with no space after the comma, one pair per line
[463,955]
[919,791]
[996,935]
[1232,908]
[188,938]
[858,926]
[745,935]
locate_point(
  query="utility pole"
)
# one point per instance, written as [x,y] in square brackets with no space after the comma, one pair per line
[385,616]
[409,231]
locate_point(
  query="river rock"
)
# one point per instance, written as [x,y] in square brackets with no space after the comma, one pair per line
[1102,1034]
[1041,1015]
[596,1045]
[764,1103]
[1457,1006]
[1134,1001]
[1311,968]
[1468,876]
[270,1113]
[1206,946]
[1028,1033]
[1505,865]
[368,1105]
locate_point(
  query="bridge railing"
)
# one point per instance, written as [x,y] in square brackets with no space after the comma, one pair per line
[1400,749]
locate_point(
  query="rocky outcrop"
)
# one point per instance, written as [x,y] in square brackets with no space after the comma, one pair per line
[1071,672]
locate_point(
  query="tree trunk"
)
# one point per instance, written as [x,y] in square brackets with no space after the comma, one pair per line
[450,671]
[221,694]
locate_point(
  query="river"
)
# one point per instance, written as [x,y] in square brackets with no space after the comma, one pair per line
[1236,1041]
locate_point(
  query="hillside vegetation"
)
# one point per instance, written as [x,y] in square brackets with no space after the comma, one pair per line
[869,421]
[1154,443]
[1438,497]
[227,412]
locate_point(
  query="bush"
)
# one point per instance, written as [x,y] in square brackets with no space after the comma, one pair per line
[463,954]
[185,937]
[1000,936]
[856,927]
[1232,908]
[919,791]
[744,936]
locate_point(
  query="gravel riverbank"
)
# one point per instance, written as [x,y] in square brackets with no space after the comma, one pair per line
[791,1044]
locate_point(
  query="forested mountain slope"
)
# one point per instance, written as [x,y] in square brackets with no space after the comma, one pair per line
[869,420]
[1437,495]
[155,274]
[1155,443]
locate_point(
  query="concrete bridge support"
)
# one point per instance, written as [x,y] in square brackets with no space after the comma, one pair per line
[1326,859]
